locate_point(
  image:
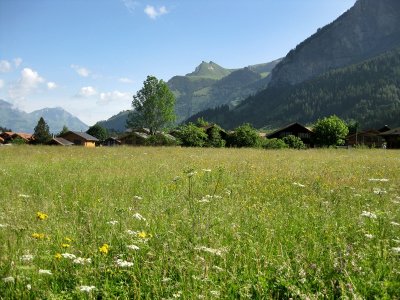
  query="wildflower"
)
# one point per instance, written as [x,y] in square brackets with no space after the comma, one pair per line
[38,236]
[112,222]
[144,235]
[46,272]
[41,216]
[123,263]
[176,178]
[24,196]
[368,214]
[104,249]
[177,295]
[396,250]
[9,279]
[3,225]
[27,257]
[68,255]
[139,217]
[68,240]
[217,252]
[57,256]
[28,287]
[206,170]
[215,293]
[86,288]
[379,191]
[132,247]
[64,245]
[218,269]
[395,223]
[166,279]
[191,174]
[369,236]
[132,232]
[82,261]
[379,179]
[298,184]
[137,198]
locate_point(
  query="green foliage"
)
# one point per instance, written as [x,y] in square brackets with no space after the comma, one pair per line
[274,144]
[330,131]
[153,106]
[245,136]
[192,136]
[18,141]
[63,130]
[41,132]
[4,129]
[160,139]
[98,132]
[214,138]
[201,122]
[294,142]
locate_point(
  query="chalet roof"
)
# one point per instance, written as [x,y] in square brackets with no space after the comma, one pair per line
[25,136]
[83,135]
[370,132]
[61,141]
[287,127]
[1,139]
[395,131]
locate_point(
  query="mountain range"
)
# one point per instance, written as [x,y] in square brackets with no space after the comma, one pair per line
[20,121]
[350,68]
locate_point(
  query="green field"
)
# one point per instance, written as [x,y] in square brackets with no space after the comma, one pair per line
[176,223]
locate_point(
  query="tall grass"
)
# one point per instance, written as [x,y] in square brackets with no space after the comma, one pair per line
[173,223]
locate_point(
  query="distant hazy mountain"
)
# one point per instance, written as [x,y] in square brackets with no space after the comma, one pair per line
[350,67]
[21,121]
[369,28]
[208,86]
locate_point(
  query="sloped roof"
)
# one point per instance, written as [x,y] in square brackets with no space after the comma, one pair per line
[395,131]
[286,127]
[25,136]
[83,135]
[61,141]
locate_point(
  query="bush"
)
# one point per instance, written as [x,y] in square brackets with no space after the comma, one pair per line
[160,139]
[330,131]
[192,136]
[245,136]
[294,142]
[214,138]
[274,144]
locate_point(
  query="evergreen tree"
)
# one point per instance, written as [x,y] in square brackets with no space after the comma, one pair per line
[98,132]
[41,132]
[64,130]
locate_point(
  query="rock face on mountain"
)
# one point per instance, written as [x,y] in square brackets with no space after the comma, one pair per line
[369,28]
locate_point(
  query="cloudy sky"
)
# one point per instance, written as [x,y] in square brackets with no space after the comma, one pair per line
[90,56]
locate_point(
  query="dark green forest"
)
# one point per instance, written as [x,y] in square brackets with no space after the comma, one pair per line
[368,92]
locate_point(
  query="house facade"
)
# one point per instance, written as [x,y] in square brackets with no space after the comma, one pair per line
[392,138]
[80,139]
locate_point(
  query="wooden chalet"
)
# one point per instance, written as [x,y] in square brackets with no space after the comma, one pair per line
[209,128]
[59,141]
[9,136]
[80,138]
[296,129]
[392,138]
[111,142]
[369,138]
[134,138]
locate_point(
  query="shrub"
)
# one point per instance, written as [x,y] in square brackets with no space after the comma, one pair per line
[160,139]
[294,142]
[330,131]
[214,138]
[192,136]
[245,136]
[274,144]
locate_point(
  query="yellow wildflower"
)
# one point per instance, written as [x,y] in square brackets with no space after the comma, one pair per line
[38,236]
[65,245]
[144,235]
[58,256]
[41,215]
[104,249]
[67,239]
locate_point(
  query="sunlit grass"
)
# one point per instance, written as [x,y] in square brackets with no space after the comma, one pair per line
[199,223]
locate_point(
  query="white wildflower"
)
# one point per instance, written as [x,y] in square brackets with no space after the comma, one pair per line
[369,236]
[132,247]
[123,263]
[28,287]
[298,184]
[9,279]
[357,195]
[215,293]
[206,170]
[3,225]
[217,252]
[379,179]
[395,223]
[68,255]
[82,261]
[218,269]
[27,257]
[24,196]
[137,198]
[139,217]
[368,214]
[87,288]
[46,272]
[132,232]
[166,279]
[191,174]
[176,178]
[396,250]
[112,222]
[177,295]
[379,191]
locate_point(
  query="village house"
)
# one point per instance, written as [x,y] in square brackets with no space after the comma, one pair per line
[392,138]
[59,141]
[111,142]
[369,138]
[80,138]
[9,137]
[134,138]
[296,129]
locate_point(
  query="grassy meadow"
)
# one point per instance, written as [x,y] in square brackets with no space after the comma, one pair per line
[176,223]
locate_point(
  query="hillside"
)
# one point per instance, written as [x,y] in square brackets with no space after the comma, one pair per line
[210,85]
[21,121]
[368,29]
[368,92]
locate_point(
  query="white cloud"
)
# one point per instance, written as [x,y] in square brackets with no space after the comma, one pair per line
[5,66]
[125,80]
[115,96]
[29,81]
[153,13]
[1,83]
[87,91]
[17,62]
[51,85]
[81,70]
[131,5]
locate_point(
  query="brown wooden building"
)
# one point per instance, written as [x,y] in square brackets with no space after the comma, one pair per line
[392,138]
[296,129]
[369,138]
[80,139]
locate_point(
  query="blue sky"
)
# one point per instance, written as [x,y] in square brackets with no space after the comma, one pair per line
[91,56]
